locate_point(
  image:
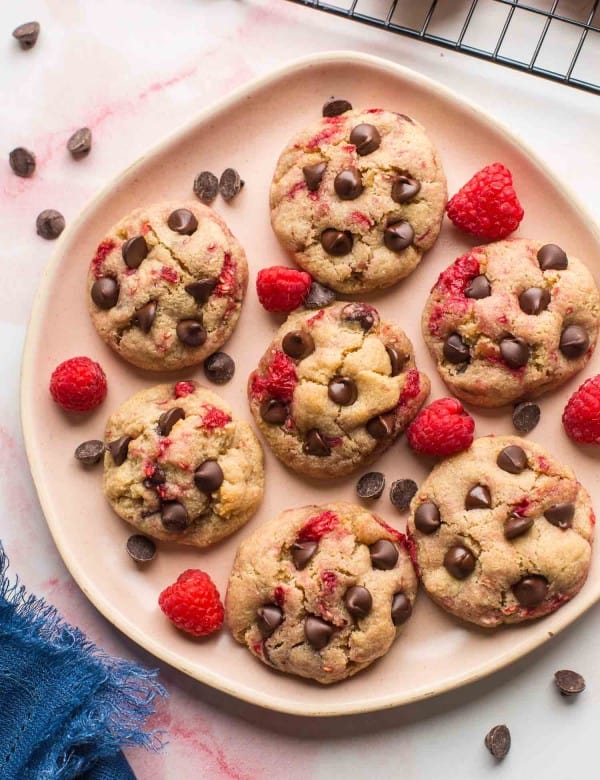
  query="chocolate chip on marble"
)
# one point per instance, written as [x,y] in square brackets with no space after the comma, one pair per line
[80,143]
[427,518]
[361,313]
[318,296]
[134,251]
[202,289]
[401,608]
[118,449]
[183,221]
[497,741]
[405,189]
[402,493]
[174,516]
[561,515]
[206,186]
[208,477]
[380,427]
[337,242]
[298,344]
[514,351]
[230,184]
[569,683]
[105,292]
[530,590]
[366,138]
[336,106]
[398,235]
[144,317]
[479,497]
[526,416]
[49,224]
[219,368]
[317,632]
[302,552]
[455,350]
[27,34]
[315,444]
[313,175]
[191,333]
[342,390]
[370,485]
[534,300]
[22,162]
[479,287]
[517,525]
[552,257]
[512,459]
[90,452]
[141,548]
[574,341]
[459,561]
[358,601]
[274,412]
[397,360]
[384,555]
[268,618]
[168,419]
[348,184]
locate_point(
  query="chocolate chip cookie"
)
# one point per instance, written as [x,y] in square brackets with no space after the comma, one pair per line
[321,591]
[335,388]
[502,532]
[166,285]
[511,320]
[179,467]
[358,198]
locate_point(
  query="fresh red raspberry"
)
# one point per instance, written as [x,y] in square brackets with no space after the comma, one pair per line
[581,417]
[487,206]
[282,289]
[442,428]
[78,384]
[193,603]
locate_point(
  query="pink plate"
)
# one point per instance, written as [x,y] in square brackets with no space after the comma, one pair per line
[247,131]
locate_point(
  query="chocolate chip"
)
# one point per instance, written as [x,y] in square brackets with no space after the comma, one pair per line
[219,368]
[230,184]
[206,186]
[561,515]
[358,601]
[427,518]
[134,251]
[202,289]
[404,189]
[315,444]
[317,632]
[118,449]
[268,618]
[183,221]
[512,459]
[478,497]
[569,683]
[401,608]
[80,143]
[302,552]
[402,493]
[366,138]
[361,313]
[517,525]
[370,485]
[337,242]
[157,477]
[90,452]
[526,416]
[49,224]
[534,300]
[552,257]
[105,292]
[530,590]
[22,161]
[514,351]
[168,419]
[397,360]
[348,184]
[208,477]
[318,296]
[191,333]
[384,555]
[459,561]
[342,390]
[398,235]
[313,175]
[455,350]
[27,34]
[380,427]
[574,341]
[274,412]
[140,548]
[298,344]
[174,516]
[479,287]
[144,317]
[497,741]
[336,106]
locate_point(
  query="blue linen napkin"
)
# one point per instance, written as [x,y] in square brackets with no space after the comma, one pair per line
[66,708]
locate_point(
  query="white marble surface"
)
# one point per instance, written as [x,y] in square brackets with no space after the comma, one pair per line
[132,70]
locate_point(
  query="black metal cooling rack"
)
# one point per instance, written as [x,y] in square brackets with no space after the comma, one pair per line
[555,39]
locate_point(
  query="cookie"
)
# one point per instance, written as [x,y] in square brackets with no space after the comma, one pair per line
[166,285]
[502,532]
[321,591]
[179,467]
[358,198]
[511,320]
[335,389]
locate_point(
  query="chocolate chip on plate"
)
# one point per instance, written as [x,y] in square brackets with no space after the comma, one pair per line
[336,106]
[27,34]
[402,493]
[105,292]
[206,186]
[313,175]
[182,221]
[90,452]
[552,257]
[22,162]
[49,224]
[497,741]
[219,368]
[569,683]
[168,419]
[526,416]
[80,143]
[230,184]
[370,485]
[141,548]
[366,138]
[134,251]
[318,296]
[384,555]
[208,477]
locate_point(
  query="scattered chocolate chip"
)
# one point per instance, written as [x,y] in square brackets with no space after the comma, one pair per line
[274,412]
[298,344]
[336,106]
[552,257]
[157,477]
[337,242]
[574,341]
[80,143]
[302,552]
[459,561]
[134,251]
[402,493]
[526,416]
[370,485]
[315,444]
[401,608]
[530,590]
[497,741]
[561,515]
[512,459]
[144,317]
[514,351]
[219,368]
[206,186]
[427,518]
[168,419]
[455,350]
[534,300]
[208,477]
[230,184]
[140,548]
[317,632]
[380,427]
[268,618]
[479,497]
[398,235]
[358,601]
[318,296]
[22,161]
[90,452]
[517,525]
[366,138]
[105,292]
[174,516]
[202,289]
[118,449]
[478,288]
[397,360]
[569,683]
[27,34]
[313,175]
[404,189]
[348,184]
[49,224]
[342,390]
[362,313]
[183,221]
[384,555]
[191,333]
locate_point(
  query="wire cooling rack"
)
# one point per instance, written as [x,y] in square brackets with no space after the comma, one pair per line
[556,39]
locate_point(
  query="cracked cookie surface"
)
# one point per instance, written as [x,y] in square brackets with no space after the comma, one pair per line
[321,591]
[166,285]
[179,467]
[358,198]
[511,320]
[502,532]
[335,389]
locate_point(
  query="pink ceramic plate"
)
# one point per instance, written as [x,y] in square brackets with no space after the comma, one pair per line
[247,131]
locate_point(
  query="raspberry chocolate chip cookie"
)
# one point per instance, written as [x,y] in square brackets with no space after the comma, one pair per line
[358,198]
[179,467]
[502,532]
[335,388]
[166,285]
[321,591]
[511,320]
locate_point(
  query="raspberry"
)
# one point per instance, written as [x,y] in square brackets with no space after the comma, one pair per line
[78,384]
[279,382]
[581,417]
[442,428]
[282,289]
[487,206]
[318,526]
[193,603]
